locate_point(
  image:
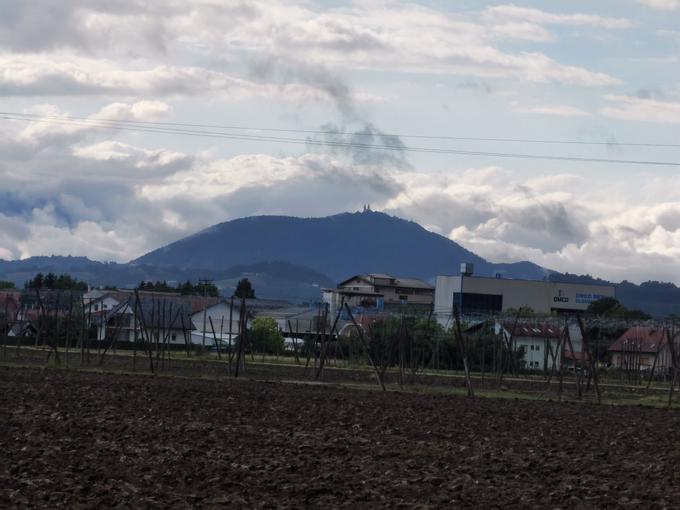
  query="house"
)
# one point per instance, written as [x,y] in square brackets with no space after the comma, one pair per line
[225,318]
[35,303]
[379,291]
[155,320]
[221,316]
[102,304]
[640,347]
[543,343]
[10,303]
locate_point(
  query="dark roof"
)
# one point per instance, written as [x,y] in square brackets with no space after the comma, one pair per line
[196,303]
[641,339]
[412,283]
[156,313]
[348,292]
[50,298]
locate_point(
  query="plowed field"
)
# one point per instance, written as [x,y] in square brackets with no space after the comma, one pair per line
[77,440]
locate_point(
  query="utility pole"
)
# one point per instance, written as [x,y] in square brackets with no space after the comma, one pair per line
[204,282]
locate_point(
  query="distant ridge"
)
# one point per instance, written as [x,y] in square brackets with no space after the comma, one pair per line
[338,246]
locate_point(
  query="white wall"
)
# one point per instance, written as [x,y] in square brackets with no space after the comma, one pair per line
[220,319]
[535,351]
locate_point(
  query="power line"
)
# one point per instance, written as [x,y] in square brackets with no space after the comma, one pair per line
[357,133]
[118,125]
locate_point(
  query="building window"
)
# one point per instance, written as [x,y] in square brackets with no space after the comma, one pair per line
[174,336]
[470,302]
[96,308]
[538,347]
[532,347]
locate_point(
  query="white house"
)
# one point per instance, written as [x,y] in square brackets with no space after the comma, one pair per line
[223,318]
[543,343]
[153,320]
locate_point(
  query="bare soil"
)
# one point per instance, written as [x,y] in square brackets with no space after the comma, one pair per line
[79,440]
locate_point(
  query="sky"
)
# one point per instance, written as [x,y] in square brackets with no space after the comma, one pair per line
[356,89]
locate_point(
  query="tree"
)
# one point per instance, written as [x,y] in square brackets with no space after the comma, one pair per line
[156,287]
[244,289]
[612,307]
[6,285]
[50,280]
[53,282]
[187,288]
[36,282]
[265,336]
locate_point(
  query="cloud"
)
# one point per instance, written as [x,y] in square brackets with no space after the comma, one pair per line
[110,199]
[557,110]
[72,188]
[40,75]
[97,50]
[287,71]
[642,109]
[365,146]
[46,126]
[664,5]
[549,18]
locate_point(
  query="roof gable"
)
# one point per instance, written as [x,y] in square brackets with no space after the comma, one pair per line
[641,339]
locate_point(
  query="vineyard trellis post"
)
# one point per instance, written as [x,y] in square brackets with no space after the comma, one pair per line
[463,352]
[360,332]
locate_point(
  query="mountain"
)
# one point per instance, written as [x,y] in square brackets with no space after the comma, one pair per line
[338,246]
[293,258]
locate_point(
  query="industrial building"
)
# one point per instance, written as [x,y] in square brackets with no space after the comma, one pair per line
[484,295]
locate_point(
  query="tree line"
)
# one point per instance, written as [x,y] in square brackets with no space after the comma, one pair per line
[52,281]
[186,289]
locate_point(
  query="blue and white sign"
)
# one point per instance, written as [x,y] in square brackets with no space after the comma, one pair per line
[586,299]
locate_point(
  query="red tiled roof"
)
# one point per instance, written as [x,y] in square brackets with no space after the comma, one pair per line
[640,339]
[537,330]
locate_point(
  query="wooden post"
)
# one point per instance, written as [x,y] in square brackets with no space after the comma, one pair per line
[578,371]
[591,358]
[324,344]
[363,341]
[674,367]
[463,353]
[219,356]
[231,354]
[242,336]
[145,331]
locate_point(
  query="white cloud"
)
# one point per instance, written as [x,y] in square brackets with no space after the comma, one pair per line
[62,75]
[114,200]
[557,110]
[642,109]
[102,193]
[132,49]
[664,5]
[543,17]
